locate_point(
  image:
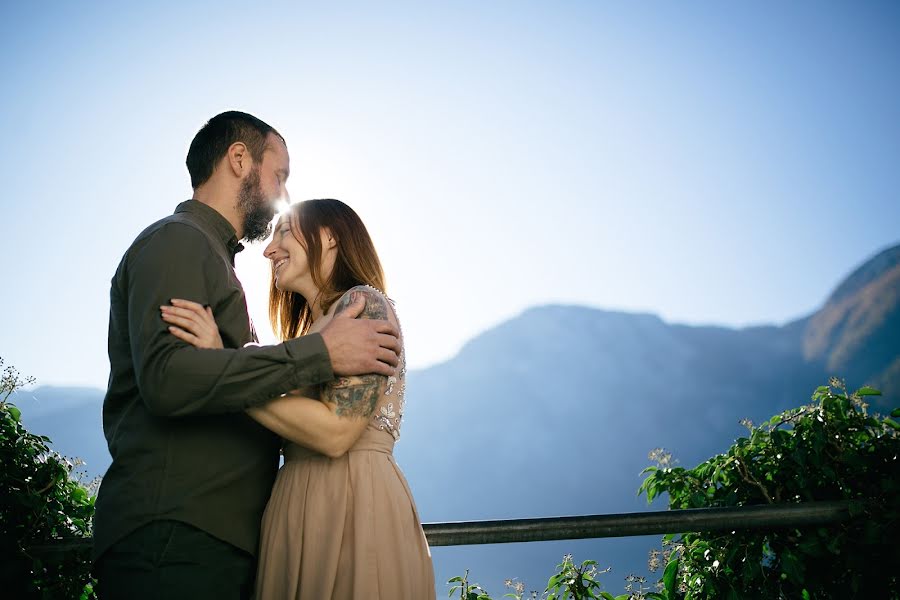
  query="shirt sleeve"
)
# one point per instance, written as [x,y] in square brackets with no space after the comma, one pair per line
[177,379]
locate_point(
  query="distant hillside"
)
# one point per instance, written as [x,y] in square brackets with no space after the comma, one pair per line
[856,333]
[72,418]
[553,412]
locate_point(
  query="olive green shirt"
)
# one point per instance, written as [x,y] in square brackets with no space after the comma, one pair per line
[173,416]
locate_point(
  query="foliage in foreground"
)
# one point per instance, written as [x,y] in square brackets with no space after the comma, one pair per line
[570,581]
[42,501]
[830,449]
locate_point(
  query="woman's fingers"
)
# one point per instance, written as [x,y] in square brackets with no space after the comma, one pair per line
[193,334]
[187,327]
[187,304]
[192,323]
[194,310]
[183,335]
[197,315]
[185,322]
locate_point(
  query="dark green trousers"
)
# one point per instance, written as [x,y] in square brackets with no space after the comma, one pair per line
[172,560]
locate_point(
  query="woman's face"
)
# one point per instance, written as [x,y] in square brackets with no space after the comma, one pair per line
[291,261]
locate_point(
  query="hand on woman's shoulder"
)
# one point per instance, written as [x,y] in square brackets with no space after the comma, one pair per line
[376,303]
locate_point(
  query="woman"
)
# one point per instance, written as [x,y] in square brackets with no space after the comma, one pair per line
[341,522]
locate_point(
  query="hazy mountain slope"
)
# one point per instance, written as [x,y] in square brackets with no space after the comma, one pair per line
[856,333]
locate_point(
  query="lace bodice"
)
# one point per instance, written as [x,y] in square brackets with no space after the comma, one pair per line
[389,410]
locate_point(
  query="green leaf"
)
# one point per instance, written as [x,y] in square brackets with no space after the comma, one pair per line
[895,413]
[791,567]
[669,576]
[79,494]
[891,423]
[15,412]
[867,391]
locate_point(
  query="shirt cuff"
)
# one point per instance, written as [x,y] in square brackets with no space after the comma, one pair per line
[311,360]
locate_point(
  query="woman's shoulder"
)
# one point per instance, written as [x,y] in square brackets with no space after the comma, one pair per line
[378,305]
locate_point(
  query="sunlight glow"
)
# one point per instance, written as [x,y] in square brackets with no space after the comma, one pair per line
[281,207]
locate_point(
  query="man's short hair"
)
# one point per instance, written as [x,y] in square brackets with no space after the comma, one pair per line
[213,140]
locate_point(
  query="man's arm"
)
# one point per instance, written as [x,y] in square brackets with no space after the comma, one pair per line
[176,379]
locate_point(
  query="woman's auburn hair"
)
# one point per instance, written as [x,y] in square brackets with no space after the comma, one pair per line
[356,263]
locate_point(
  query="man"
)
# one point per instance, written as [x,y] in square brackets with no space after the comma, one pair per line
[179,509]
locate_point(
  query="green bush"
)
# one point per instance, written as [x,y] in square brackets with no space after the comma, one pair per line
[42,503]
[831,449]
[570,582]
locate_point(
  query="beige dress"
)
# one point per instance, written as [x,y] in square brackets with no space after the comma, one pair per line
[346,528]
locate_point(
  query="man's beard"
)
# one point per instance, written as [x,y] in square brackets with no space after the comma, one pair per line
[258,212]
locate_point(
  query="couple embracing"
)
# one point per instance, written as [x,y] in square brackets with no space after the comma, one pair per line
[196,413]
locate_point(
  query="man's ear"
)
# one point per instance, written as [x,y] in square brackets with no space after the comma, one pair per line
[238,159]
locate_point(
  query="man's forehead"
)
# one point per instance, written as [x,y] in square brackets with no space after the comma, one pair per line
[275,144]
[275,141]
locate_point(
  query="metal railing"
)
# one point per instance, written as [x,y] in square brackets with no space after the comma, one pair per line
[463,533]
[768,516]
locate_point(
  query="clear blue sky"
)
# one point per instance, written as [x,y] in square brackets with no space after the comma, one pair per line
[709,162]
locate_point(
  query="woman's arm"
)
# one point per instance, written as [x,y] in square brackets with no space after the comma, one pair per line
[333,424]
[330,425]
[310,423]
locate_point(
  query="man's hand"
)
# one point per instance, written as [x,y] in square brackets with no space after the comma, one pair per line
[361,346]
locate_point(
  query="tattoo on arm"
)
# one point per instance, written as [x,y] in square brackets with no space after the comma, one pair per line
[345,301]
[376,305]
[355,396]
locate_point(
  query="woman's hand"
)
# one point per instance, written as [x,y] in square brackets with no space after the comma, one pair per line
[192,323]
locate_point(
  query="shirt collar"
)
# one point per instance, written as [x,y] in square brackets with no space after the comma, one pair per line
[215,221]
